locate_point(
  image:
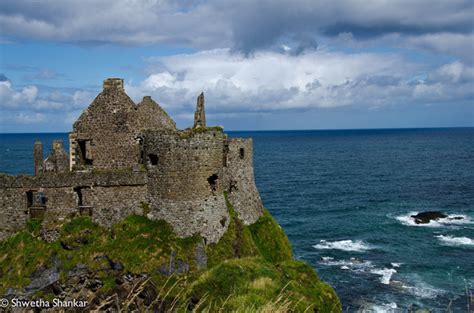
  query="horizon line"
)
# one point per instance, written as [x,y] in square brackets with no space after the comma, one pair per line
[280,130]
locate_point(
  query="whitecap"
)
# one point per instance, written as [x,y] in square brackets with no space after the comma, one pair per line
[379,308]
[353,263]
[345,245]
[451,219]
[394,264]
[423,290]
[386,274]
[455,241]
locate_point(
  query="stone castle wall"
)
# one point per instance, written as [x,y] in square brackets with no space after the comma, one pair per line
[240,181]
[108,197]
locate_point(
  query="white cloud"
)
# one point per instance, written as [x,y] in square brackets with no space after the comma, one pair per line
[10,98]
[28,118]
[268,81]
[455,72]
[273,81]
[453,82]
[33,99]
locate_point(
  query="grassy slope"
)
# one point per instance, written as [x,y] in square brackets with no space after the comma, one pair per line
[250,269]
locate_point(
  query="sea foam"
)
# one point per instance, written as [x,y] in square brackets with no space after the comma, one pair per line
[386,274]
[455,241]
[379,308]
[451,219]
[345,245]
[423,290]
[352,264]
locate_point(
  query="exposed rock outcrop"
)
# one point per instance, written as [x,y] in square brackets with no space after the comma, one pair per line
[428,216]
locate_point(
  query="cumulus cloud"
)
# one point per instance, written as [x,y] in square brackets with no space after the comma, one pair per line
[10,98]
[451,83]
[32,99]
[238,83]
[245,25]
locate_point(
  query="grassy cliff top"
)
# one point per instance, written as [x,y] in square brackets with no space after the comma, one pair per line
[141,264]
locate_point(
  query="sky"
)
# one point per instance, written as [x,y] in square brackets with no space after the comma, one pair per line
[262,65]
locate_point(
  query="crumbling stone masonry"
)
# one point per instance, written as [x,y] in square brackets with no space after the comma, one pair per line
[129,158]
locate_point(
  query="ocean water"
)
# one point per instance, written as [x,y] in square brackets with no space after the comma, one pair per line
[344,198]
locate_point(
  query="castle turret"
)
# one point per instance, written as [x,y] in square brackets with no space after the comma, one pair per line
[200,115]
[38,157]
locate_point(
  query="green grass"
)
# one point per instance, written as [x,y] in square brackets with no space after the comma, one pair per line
[20,256]
[255,283]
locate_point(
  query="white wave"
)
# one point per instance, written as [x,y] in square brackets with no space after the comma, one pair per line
[451,219]
[354,264]
[423,290]
[345,245]
[396,264]
[455,241]
[386,274]
[379,308]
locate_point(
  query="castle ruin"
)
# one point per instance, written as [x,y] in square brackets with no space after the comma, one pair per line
[126,158]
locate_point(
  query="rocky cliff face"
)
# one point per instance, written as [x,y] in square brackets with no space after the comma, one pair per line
[141,264]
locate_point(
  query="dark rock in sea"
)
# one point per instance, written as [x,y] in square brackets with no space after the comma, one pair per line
[428,216]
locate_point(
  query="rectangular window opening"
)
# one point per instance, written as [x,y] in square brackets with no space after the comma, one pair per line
[85,152]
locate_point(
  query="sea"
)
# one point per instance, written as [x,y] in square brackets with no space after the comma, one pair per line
[345,197]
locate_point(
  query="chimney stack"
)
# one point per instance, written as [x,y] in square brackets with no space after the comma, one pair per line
[113,83]
[57,146]
[38,155]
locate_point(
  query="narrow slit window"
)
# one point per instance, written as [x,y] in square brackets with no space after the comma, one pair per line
[29,198]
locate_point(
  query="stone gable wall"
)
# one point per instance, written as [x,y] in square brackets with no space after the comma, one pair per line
[149,115]
[108,133]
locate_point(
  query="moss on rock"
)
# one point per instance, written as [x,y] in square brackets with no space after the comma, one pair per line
[237,241]
[270,239]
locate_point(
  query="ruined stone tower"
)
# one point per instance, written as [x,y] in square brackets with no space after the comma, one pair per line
[200,115]
[126,158]
[58,159]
